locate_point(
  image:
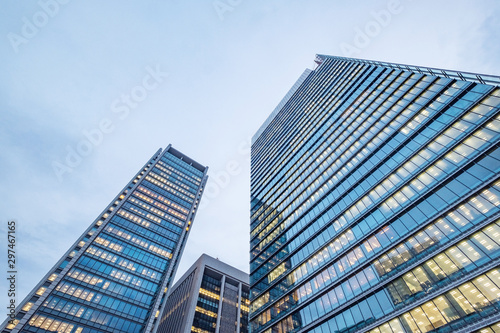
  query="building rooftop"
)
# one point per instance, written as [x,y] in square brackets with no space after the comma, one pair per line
[458,75]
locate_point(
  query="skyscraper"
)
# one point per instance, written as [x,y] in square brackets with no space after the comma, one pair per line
[210,297]
[375,198]
[115,277]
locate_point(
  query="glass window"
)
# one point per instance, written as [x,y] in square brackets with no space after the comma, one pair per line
[424,240]
[399,227]
[458,300]
[458,220]
[375,307]
[349,320]
[494,276]
[474,296]
[421,319]
[440,266]
[408,323]
[385,328]
[408,221]
[423,278]
[396,326]
[395,257]
[332,296]
[375,245]
[359,254]
[371,276]
[404,252]
[326,277]
[332,325]
[363,281]
[340,295]
[436,201]
[459,259]
[354,285]
[331,271]
[412,283]
[433,314]
[379,268]
[413,245]
[386,264]
[426,178]
[426,208]
[417,215]
[365,310]
[482,204]
[490,163]
[487,288]
[435,234]
[472,252]
[306,314]
[396,298]
[455,158]
[468,180]
[446,309]
[320,308]
[340,322]
[347,290]
[446,227]
[485,243]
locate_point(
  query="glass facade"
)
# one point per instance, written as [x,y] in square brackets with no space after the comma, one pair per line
[217,308]
[375,198]
[116,276]
[207,306]
[211,297]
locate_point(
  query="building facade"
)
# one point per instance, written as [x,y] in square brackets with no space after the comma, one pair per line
[375,202]
[115,277]
[210,297]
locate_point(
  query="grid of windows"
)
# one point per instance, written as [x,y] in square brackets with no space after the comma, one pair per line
[365,183]
[217,309]
[210,297]
[207,307]
[115,278]
[244,305]
[468,303]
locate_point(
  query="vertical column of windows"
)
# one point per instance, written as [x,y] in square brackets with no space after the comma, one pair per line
[207,306]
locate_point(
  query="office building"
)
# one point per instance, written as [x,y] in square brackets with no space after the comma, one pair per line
[116,275]
[375,198]
[210,297]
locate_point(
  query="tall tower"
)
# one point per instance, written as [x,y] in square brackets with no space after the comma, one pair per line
[375,202]
[115,277]
[211,297]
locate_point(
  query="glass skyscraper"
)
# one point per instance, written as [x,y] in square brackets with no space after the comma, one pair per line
[211,297]
[375,202]
[115,277]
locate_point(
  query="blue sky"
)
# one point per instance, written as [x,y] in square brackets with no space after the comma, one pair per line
[220,66]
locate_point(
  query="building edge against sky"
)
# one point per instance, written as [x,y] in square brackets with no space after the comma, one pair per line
[211,296]
[116,276]
[375,202]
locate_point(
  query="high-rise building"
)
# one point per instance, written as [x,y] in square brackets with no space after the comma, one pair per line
[211,297]
[375,198]
[115,277]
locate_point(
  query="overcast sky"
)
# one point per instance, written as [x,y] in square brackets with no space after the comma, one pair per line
[203,76]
